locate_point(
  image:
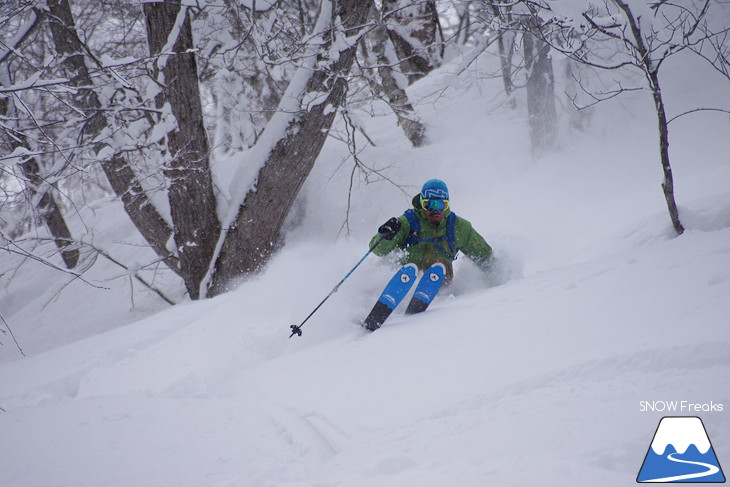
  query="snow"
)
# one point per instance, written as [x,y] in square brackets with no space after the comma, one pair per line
[11,44]
[532,375]
[690,430]
[259,5]
[172,38]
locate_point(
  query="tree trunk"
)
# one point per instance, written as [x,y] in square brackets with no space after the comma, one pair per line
[542,117]
[253,235]
[415,32]
[651,72]
[506,44]
[413,129]
[192,202]
[48,209]
[120,175]
[579,117]
[50,212]
[668,183]
[47,206]
[140,209]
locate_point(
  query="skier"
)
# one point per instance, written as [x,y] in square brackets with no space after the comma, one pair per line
[430,235]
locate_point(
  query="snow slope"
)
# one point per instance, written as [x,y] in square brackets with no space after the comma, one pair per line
[530,376]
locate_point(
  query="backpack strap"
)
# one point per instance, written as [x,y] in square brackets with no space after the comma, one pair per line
[415,225]
[450,236]
[451,233]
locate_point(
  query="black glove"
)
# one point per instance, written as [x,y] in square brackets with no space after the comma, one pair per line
[389,229]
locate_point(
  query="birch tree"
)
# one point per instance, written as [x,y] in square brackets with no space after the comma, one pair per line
[644,35]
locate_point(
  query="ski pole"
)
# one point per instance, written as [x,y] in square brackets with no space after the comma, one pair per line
[297,329]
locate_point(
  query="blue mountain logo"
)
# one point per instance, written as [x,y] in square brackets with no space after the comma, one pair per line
[681,452]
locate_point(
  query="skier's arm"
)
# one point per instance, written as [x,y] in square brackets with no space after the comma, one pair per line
[386,246]
[475,247]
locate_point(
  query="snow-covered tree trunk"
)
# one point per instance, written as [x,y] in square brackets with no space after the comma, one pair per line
[506,44]
[120,175]
[50,212]
[393,84]
[415,31]
[296,135]
[192,202]
[40,192]
[542,116]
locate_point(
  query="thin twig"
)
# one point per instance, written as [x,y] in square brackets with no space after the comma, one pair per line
[43,261]
[136,276]
[12,335]
[697,110]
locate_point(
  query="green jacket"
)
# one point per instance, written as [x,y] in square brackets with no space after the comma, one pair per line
[425,254]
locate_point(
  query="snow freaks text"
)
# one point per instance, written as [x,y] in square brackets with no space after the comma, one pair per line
[683,407]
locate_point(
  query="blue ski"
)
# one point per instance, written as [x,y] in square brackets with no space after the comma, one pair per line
[391,296]
[427,288]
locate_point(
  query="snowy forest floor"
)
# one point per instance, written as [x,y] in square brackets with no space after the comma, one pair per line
[533,375]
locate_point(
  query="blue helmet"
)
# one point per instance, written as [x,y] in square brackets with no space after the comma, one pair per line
[435,189]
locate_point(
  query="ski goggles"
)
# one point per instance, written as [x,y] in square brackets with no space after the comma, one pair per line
[433,204]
